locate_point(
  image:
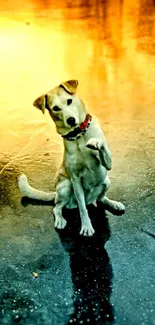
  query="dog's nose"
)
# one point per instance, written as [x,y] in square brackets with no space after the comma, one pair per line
[71,121]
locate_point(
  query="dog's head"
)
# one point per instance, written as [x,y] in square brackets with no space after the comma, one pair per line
[65,107]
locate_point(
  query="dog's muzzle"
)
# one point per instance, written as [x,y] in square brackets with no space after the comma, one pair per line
[80,130]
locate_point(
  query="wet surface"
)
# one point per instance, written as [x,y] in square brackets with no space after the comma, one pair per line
[109,46]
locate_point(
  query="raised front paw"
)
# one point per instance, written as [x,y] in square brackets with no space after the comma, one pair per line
[94,144]
[87,230]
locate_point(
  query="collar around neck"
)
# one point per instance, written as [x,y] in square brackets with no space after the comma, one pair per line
[79,131]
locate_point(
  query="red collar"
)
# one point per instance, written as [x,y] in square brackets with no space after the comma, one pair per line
[84,124]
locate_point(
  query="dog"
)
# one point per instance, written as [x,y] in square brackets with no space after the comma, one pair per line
[82,178]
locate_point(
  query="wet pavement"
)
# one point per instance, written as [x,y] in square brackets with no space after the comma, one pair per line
[49,277]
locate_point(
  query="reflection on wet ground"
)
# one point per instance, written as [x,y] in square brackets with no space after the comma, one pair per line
[109,46]
[74,281]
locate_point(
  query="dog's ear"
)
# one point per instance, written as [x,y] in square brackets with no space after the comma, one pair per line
[70,86]
[40,103]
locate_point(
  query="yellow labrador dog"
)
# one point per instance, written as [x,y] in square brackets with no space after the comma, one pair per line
[83,176]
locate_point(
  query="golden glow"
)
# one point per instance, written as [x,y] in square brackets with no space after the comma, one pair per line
[109,48]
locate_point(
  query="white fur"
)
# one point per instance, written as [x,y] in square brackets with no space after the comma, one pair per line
[82,178]
[31,192]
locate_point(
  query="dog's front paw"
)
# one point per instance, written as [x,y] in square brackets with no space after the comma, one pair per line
[60,222]
[87,230]
[94,144]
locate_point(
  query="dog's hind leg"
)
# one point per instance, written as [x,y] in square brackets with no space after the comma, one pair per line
[63,194]
[115,207]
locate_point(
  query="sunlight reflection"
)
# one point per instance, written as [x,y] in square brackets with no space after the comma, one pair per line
[43,44]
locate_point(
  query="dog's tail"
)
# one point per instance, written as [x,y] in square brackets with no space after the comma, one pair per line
[27,190]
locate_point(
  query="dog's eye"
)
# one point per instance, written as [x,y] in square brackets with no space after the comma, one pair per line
[69,101]
[56,109]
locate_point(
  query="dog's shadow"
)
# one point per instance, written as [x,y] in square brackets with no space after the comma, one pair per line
[90,266]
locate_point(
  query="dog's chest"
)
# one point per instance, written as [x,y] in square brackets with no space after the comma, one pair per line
[85,164]
[79,157]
